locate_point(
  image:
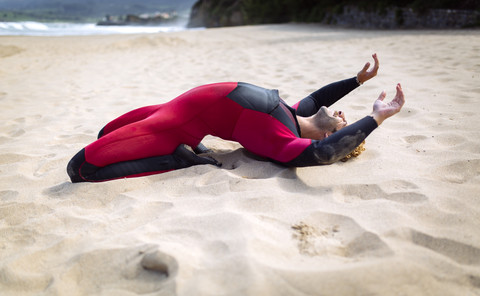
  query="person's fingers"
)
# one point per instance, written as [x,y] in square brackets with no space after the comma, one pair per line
[382,96]
[400,97]
[365,68]
[399,90]
[377,63]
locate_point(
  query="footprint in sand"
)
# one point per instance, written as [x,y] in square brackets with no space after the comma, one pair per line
[46,166]
[397,191]
[16,127]
[325,234]
[8,195]
[457,251]
[407,112]
[9,158]
[466,98]
[459,172]
[160,262]
[414,138]
[17,132]
[450,139]
[9,50]
[59,191]
[15,213]
[140,270]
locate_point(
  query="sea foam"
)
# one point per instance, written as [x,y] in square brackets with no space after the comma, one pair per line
[30,28]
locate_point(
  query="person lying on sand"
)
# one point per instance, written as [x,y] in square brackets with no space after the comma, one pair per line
[152,139]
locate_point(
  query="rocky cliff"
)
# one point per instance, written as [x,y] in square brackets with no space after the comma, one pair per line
[218,13]
[214,13]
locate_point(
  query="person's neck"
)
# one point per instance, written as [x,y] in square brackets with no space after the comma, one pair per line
[308,128]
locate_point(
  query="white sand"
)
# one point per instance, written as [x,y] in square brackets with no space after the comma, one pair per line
[402,219]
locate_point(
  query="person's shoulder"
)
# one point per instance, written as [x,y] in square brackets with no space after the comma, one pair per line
[255,97]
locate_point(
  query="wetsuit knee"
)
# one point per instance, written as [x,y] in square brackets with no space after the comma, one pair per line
[100,133]
[78,168]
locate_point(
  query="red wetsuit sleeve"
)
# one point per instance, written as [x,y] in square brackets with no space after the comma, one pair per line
[266,136]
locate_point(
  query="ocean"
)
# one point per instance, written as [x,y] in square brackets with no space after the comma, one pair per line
[31,28]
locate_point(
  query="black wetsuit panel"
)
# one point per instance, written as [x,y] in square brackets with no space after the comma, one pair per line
[325,96]
[267,101]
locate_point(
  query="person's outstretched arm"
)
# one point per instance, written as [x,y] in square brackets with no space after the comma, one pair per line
[341,143]
[331,93]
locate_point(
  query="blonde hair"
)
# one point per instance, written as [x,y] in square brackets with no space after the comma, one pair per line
[356,152]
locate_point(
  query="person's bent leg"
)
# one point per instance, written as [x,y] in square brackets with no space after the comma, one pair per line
[80,170]
[127,118]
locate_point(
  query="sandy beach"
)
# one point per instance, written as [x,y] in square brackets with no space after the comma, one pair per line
[401,219]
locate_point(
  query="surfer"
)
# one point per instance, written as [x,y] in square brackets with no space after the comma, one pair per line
[152,139]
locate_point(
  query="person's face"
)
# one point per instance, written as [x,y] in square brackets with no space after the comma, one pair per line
[330,120]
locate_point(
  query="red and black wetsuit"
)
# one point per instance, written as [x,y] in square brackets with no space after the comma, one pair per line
[148,140]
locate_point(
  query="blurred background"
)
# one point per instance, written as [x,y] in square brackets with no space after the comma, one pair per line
[64,17]
[85,17]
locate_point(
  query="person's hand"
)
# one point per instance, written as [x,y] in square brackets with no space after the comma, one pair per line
[382,110]
[366,74]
